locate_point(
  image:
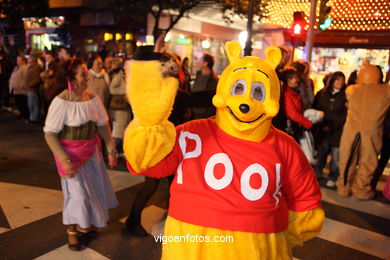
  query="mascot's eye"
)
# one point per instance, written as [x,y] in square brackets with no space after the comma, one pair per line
[239,88]
[258,91]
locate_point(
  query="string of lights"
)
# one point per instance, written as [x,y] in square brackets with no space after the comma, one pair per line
[346,15]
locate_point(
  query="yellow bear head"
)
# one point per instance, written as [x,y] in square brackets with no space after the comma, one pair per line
[248,93]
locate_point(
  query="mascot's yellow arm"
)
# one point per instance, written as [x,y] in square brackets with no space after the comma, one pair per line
[150,136]
[241,245]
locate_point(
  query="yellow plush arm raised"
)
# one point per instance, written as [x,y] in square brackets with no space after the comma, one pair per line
[150,137]
[304,226]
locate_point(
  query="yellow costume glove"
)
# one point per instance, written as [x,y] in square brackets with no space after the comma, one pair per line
[303,226]
[150,137]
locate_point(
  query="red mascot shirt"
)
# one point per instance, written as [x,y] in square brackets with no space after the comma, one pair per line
[228,183]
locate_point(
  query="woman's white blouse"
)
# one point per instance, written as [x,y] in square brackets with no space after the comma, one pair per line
[63,112]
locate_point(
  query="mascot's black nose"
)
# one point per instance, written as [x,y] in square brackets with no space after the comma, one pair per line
[244,108]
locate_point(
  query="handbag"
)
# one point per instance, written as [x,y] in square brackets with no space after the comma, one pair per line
[307,145]
[119,102]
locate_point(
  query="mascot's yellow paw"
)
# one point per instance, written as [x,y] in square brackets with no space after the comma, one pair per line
[304,226]
[151,96]
[150,136]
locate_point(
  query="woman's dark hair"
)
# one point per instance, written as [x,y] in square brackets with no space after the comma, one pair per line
[92,57]
[352,78]
[300,68]
[380,74]
[185,60]
[72,68]
[333,78]
[286,74]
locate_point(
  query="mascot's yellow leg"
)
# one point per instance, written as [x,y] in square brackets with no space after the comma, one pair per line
[236,245]
[180,240]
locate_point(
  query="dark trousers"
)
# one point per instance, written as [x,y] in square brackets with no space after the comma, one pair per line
[142,197]
[21,104]
[324,148]
[4,94]
[383,160]
[34,107]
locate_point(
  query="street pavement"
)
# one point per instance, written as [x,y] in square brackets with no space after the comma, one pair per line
[31,204]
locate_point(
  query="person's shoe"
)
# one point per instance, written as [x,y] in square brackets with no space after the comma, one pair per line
[135,228]
[85,237]
[73,247]
[320,177]
[91,234]
[331,183]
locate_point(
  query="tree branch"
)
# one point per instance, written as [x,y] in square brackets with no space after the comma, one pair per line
[150,8]
[182,11]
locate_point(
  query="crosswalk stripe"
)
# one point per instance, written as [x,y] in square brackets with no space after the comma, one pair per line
[63,253]
[375,208]
[357,238]
[123,179]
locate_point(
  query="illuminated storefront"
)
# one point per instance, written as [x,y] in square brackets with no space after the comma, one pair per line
[327,60]
[193,46]
[358,30]
[40,32]
[190,38]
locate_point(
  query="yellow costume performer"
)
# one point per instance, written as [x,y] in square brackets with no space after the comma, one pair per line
[242,189]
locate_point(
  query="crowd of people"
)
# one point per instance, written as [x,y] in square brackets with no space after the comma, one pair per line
[319,121]
[79,101]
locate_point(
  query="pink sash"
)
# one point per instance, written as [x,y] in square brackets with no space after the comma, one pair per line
[78,150]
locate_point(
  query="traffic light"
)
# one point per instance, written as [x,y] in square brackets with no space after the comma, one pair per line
[323,20]
[298,31]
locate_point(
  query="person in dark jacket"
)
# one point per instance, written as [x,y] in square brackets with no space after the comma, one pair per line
[280,120]
[332,101]
[5,73]
[204,87]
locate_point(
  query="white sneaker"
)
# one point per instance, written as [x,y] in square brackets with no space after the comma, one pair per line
[331,184]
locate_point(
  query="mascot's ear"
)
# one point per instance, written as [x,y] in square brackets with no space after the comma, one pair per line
[233,50]
[273,56]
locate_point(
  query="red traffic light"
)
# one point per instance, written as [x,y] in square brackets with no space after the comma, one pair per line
[298,25]
[297,30]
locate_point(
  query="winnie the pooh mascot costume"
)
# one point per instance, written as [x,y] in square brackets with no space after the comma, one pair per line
[236,176]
